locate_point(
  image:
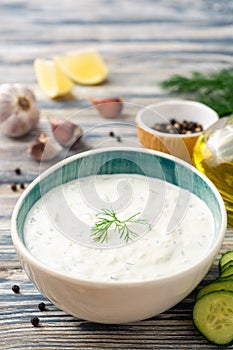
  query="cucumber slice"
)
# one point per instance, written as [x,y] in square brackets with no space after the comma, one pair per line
[222,284]
[213,316]
[225,266]
[227,272]
[225,258]
[230,277]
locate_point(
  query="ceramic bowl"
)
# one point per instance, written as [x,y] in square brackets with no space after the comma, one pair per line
[118,302]
[178,145]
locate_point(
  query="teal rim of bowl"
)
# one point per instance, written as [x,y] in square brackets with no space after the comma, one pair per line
[155,165]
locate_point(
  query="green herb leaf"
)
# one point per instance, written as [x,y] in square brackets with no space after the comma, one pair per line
[107,219]
[213,89]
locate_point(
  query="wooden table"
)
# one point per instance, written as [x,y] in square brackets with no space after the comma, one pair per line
[143,42]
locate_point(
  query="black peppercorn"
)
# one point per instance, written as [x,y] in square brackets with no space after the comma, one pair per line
[118,139]
[41,306]
[176,127]
[189,125]
[15,288]
[35,321]
[158,126]
[168,127]
[111,134]
[14,187]
[172,121]
[18,171]
[22,186]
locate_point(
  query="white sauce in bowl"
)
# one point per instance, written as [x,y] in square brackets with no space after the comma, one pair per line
[161,251]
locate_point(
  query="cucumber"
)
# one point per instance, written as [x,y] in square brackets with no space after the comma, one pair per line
[213,317]
[225,258]
[225,266]
[229,277]
[224,284]
[227,272]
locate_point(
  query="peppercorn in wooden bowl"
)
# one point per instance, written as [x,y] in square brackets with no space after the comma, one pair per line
[169,218]
[173,126]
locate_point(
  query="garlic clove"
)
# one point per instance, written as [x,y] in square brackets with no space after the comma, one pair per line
[44,148]
[19,112]
[65,132]
[108,107]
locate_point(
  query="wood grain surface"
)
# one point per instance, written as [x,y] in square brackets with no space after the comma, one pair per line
[142,42]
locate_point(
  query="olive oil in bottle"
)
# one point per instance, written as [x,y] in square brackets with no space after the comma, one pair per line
[213,156]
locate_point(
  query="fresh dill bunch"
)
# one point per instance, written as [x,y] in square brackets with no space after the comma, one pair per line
[213,88]
[107,219]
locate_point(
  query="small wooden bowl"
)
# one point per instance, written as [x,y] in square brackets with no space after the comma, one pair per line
[178,145]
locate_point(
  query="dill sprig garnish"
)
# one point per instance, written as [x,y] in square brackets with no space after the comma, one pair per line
[107,219]
[213,88]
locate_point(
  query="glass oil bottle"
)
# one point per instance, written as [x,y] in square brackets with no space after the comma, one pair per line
[213,156]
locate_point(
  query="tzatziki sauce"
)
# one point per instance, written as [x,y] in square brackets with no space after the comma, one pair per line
[181,228]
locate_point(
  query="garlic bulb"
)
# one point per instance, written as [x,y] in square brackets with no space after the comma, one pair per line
[19,113]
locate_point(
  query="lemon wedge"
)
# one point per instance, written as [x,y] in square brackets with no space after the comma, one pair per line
[84,67]
[51,78]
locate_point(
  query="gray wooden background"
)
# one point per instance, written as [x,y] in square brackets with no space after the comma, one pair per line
[142,42]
